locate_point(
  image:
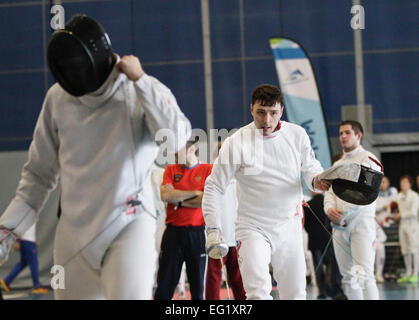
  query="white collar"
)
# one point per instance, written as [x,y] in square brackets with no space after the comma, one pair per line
[353,152]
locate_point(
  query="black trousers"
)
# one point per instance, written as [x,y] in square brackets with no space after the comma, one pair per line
[181,244]
[328,280]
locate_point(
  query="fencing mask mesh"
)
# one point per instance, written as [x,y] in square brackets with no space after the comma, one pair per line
[354,183]
[80,56]
[362,192]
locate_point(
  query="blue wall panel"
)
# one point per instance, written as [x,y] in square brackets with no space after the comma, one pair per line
[336,82]
[225,29]
[21,38]
[261,21]
[187,84]
[391,24]
[405,126]
[319,25]
[168,30]
[22,97]
[11,2]
[167,37]
[227,87]
[390,88]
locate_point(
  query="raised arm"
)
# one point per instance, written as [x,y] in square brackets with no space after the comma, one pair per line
[160,105]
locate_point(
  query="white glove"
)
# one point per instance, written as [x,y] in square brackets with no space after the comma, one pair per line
[215,246]
[7,240]
[346,171]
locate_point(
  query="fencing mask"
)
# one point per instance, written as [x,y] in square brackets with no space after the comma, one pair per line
[354,183]
[80,56]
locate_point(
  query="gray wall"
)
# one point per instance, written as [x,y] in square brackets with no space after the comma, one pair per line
[11,164]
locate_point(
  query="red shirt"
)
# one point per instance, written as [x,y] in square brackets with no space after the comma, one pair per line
[183,178]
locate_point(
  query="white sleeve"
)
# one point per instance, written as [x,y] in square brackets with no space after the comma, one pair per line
[162,110]
[216,184]
[415,204]
[394,194]
[411,206]
[39,175]
[329,200]
[310,166]
[380,205]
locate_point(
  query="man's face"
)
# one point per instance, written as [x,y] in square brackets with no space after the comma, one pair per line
[348,139]
[405,185]
[385,183]
[183,155]
[266,117]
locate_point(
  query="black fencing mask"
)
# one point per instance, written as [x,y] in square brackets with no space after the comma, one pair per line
[362,192]
[80,56]
[354,183]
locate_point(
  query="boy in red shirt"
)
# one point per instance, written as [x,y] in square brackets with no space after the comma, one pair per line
[184,237]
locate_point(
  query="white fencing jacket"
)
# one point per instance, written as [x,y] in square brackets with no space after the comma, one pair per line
[352,211]
[408,205]
[229,213]
[30,234]
[102,147]
[268,173]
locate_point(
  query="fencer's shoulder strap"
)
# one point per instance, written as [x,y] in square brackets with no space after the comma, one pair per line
[377,163]
[371,158]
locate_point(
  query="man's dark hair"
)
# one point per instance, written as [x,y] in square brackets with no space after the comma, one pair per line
[356,126]
[267,95]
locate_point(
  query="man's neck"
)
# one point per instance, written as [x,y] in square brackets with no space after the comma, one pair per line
[348,150]
[191,162]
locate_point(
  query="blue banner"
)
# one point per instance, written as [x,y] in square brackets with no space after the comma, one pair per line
[302,100]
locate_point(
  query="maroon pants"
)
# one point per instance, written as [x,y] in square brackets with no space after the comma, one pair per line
[234,278]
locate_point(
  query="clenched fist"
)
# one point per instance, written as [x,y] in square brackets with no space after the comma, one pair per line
[334,215]
[322,185]
[131,67]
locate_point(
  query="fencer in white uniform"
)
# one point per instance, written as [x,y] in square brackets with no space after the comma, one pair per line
[354,225]
[386,196]
[229,205]
[102,146]
[407,201]
[269,217]
[232,270]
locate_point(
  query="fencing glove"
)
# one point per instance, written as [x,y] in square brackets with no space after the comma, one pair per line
[215,246]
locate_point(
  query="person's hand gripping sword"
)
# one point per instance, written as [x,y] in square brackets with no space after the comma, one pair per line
[215,246]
